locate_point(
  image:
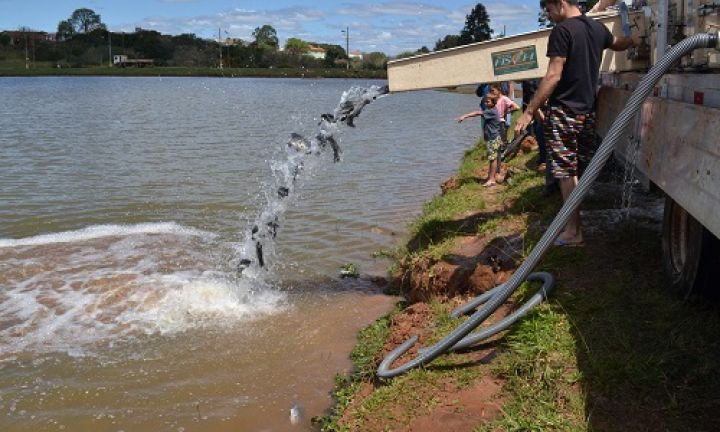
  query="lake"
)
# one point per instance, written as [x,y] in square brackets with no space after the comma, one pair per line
[122,205]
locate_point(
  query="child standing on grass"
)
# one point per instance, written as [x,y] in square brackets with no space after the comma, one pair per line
[491,134]
[504,106]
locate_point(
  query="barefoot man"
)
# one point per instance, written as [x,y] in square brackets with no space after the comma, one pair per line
[575,49]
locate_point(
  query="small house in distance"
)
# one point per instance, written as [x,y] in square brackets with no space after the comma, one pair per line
[316,52]
[124,61]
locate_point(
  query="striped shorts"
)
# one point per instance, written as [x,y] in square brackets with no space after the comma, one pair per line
[569,140]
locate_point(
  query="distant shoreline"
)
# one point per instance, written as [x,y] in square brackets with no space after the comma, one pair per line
[195,72]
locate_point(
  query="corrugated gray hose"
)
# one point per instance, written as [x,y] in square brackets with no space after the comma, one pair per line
[494,299]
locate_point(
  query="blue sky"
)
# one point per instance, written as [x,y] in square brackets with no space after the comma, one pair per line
[387,26]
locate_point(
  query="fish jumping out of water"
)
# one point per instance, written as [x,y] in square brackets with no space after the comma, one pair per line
[273,226]
[351,108]
[325,135]
[259,253]
[298,147]
[299,143]
[243,264]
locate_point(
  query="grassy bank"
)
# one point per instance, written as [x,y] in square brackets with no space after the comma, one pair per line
[612,350]
[17,70]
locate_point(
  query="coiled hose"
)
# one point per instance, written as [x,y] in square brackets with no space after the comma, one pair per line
[495,298]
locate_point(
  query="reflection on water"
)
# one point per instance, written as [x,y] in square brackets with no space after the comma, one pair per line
[122,204]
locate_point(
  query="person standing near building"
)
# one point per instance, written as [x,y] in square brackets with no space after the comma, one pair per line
[505,106]
[575,49]
[529,87]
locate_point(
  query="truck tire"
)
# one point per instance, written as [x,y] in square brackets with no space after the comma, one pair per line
[691,255]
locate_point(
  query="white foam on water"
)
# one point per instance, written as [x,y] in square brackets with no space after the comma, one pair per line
[199,302]
[99,231]
[108,283]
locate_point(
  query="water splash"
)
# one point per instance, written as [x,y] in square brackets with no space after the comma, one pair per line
[632,150]
[78,291]
[301,157]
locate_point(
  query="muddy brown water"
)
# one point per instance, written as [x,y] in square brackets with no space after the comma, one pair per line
[122,204]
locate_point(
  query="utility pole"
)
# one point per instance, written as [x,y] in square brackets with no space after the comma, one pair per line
[110,58]
[227,54]
[220,47]
[27,59]
[347,45]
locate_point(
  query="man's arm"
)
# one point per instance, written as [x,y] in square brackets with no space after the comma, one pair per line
[602,5]
[546,88]
[622,43]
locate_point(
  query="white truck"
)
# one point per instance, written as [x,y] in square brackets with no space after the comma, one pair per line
[677,131]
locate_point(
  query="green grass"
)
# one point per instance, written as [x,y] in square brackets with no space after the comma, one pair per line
[612,350]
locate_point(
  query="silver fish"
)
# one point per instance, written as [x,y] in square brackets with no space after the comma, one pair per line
[298,143]
[295,414]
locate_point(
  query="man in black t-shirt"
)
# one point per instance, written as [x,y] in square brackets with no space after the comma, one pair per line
[575,50]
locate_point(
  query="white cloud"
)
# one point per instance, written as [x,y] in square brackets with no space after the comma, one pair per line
[390,27]
[390,8]
[239,23]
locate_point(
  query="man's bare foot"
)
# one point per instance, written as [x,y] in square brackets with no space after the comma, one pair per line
[489,183]
[567,239]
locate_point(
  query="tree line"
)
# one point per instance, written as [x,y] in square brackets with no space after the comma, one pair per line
[83,40]
[477,28]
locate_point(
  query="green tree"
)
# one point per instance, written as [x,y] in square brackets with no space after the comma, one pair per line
[5,39]
[85,20]
[544,20]
[266,37]
[477,26]
[296,46]
[65,30]
[375,60]
[449,41]
[332,54]
[406,54]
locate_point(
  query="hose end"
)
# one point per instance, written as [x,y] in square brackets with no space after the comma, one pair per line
[714,38]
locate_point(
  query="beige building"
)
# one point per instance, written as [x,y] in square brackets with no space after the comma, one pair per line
[316,52]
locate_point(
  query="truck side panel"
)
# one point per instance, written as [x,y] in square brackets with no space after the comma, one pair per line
[679,150]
